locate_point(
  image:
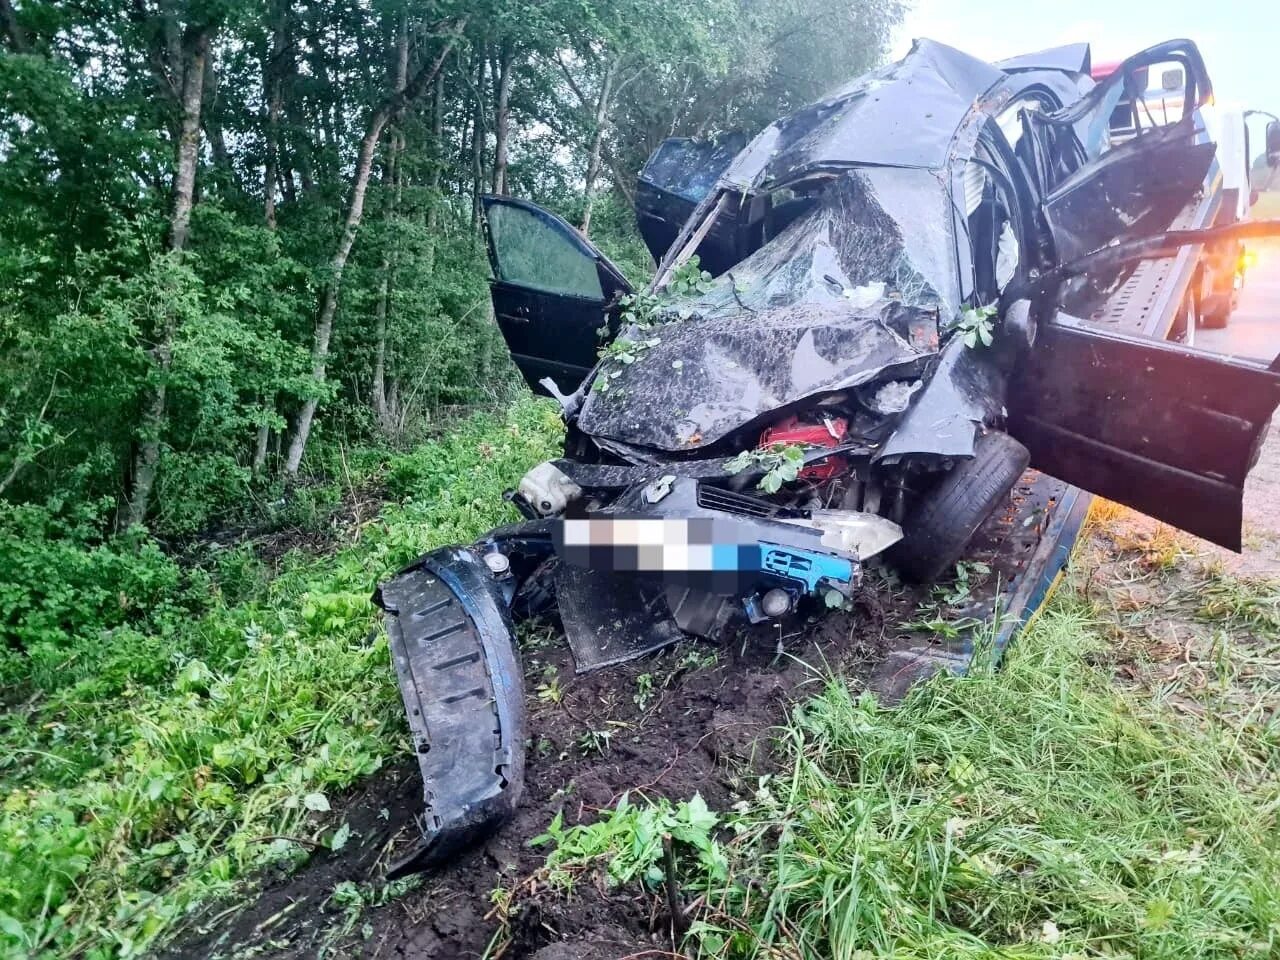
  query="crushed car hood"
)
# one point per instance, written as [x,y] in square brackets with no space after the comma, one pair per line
[851,292]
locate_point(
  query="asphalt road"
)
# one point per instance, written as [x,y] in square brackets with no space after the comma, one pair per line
[1254,331]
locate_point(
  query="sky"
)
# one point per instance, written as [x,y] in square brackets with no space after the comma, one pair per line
[1240,39]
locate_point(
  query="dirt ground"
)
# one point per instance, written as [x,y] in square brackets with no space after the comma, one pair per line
[1261,554]
[695,719]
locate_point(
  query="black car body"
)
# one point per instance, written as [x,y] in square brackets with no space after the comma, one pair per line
[937,274]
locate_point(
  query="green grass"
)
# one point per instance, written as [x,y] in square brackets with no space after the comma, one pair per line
[1033,811]
[153,779]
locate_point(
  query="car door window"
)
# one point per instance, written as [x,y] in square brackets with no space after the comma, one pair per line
[530,250]
[1009,120]
[1154,96]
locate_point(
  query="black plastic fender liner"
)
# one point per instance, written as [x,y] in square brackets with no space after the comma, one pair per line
[453,649]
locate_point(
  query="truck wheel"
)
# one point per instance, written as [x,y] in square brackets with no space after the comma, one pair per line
[1215,311]
[946,518]
[1217,304]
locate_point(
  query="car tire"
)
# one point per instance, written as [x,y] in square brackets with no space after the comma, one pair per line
[1215,312]
[946,517]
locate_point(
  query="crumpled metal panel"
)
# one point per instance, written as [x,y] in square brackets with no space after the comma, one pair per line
[611,618]
[963,390]
[453,647]
[903,115]
[1135,190]
[731,377]
[849,292]
[1076,57]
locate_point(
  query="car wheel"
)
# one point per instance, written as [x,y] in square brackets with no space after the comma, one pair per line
[946,518]
[1215,311]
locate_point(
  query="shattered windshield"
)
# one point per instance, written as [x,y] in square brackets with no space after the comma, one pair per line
[851,290]
[689,168]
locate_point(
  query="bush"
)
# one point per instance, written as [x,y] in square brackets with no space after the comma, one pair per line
[145,786]
[61,580]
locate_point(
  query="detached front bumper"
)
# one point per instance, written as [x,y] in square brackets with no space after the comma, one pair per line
[453,648]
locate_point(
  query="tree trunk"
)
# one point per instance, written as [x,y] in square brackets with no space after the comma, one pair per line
[260,448]
[399,77]
[287,188]
[501,116]
[433,179]
[188,147]
[13,29]
[477,142]
[337,264]
[379,389]
[186,157]
[306,177]
[597,144]
[387,267]
[301,147]
[394,411]
[273,84]
[213,126]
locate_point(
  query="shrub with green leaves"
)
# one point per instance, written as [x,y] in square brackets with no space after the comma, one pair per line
[60,579]
[627,840]
[125,801]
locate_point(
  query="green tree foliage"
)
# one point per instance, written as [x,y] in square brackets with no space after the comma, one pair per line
[194,257]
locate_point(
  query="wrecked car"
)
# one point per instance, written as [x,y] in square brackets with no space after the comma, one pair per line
[904,295]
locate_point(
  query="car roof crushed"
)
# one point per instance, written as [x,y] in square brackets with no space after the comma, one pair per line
[903,115]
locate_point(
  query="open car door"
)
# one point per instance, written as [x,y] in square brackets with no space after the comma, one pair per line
[1110,180]
[1164,428]
[551,289]
[1108,405]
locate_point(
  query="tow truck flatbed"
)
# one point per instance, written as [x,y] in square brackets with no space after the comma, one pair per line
[1024,548]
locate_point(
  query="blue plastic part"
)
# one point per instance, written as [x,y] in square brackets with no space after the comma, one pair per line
[805,566]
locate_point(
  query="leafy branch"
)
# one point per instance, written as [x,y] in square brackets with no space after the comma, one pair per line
[643,312]
[781,463]
[977,325]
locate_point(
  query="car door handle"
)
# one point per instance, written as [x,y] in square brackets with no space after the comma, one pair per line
[518,315]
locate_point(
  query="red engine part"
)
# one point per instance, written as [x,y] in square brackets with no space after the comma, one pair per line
[829,433]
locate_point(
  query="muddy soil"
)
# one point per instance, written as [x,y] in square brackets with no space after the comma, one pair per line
[698,719]
[694,719]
